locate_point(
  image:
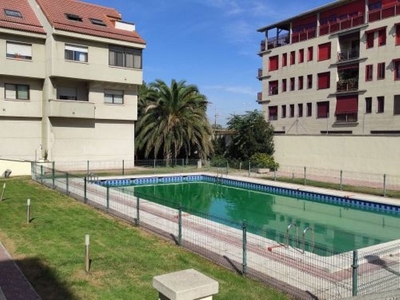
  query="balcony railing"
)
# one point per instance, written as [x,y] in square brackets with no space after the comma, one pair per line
[341,25]
[347,85]
[277,41]
[259,73]
[259,96]
[347,55]
[386,12]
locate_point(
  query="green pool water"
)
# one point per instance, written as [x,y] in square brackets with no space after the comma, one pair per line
[336,229]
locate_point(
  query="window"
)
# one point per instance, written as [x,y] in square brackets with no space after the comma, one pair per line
[12,13]
[97,22]
[73,17]
[273,63]
[76,53]
[292,57]
[370,39]
[382,37]
[125,57]
[16,91]
[273,87]
[114,97]
[396,69]
[67,93]
[324,80]
[283,111]
[291,107]
[273,113]
[368,105]
[310,54]
[301,82]
[284,84]
[396,108]
[309,109]
[284,59]
[309,81]
[381,104]
[301,55]
[300,109]
[19,50]
[292,83]
[381,71]
[368,72]
[346,108]
[398,34]
[323,109]
[324,51]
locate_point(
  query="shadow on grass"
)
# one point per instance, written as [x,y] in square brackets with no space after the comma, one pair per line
[37,281]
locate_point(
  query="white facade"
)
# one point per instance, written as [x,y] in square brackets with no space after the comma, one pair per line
[80,104]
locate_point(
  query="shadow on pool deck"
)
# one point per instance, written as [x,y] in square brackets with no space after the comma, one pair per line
[14,284]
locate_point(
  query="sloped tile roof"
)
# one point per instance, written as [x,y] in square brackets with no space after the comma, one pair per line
[56,10]
[29,22]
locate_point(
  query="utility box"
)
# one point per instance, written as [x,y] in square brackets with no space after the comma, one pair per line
[185,285]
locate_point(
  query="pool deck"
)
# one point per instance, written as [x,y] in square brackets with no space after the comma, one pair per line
[303,271]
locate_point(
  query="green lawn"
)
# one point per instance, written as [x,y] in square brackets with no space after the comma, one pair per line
[124,259]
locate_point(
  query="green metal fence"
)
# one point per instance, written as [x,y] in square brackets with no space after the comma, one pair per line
[236,245]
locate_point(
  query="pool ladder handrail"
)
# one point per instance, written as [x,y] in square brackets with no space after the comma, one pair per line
[91,177]
[219,175]
[297,236]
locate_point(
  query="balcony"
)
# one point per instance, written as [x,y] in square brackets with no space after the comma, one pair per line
[383,13]
[347,85]
[71,109]
[348,55]
[259,97]
[342,25]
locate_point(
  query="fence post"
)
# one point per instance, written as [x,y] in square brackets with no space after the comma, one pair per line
[384,185]
[244,263]
[274,174]
[305,175]
[41,174]
[355,267]
[137,220]
[87,167]
[53,174]
[123,167]
[249,169]
[84,190]
[227,168]
[341,180]
[180,225]
[66,184]
[108,197]
[154,164]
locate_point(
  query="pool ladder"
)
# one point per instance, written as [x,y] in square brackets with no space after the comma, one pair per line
[220,174]
[297,237]
[91,178]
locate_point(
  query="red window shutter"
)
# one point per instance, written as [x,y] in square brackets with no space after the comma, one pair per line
[398,34]
[284,59]
[323,109]
[382,37]
[324,51]
[323,80]
[273,63]
[346,104]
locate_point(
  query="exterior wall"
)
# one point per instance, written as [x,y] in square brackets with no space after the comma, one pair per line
[364,154]
[387,87]
[17,167]
[82,139]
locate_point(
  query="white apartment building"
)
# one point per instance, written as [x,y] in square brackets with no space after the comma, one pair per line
[333,70]
[69,77]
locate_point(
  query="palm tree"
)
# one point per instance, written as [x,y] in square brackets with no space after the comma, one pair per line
[172,121]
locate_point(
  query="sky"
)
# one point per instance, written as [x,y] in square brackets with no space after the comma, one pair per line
[212,44]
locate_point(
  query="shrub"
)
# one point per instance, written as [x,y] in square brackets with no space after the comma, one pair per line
[262,160]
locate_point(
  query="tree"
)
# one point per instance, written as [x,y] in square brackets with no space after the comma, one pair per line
[172,121]
[253,134]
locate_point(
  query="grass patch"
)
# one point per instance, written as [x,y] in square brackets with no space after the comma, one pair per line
[50,251]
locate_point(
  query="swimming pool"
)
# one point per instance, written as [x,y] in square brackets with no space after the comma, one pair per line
[337,224]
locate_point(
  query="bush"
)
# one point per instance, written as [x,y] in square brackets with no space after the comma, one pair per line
[262,160]
[218,161]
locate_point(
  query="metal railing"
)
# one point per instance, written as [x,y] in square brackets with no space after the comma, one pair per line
[247,249]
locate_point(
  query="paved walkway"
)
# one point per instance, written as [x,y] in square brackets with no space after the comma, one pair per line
[13,283]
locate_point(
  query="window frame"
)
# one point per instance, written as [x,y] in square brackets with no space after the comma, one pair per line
[17,91]
[396,69]
[309,81]
[380,104]
[369,71]
[369,39]
[309,109]
[113,94]
[368,105]
[380,72]
[326,114]
[283,113]
[310,53]
[24,54]
[122,53]
[76,51]
[327,85]
[301,56]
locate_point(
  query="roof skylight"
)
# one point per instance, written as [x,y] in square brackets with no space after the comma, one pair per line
[73,17]
[12,13]
[97,22]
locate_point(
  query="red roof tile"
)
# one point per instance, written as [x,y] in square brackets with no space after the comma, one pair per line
[55,12]
[28,22]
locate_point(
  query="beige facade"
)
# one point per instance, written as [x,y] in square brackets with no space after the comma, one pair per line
[294,94]
[80,104]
